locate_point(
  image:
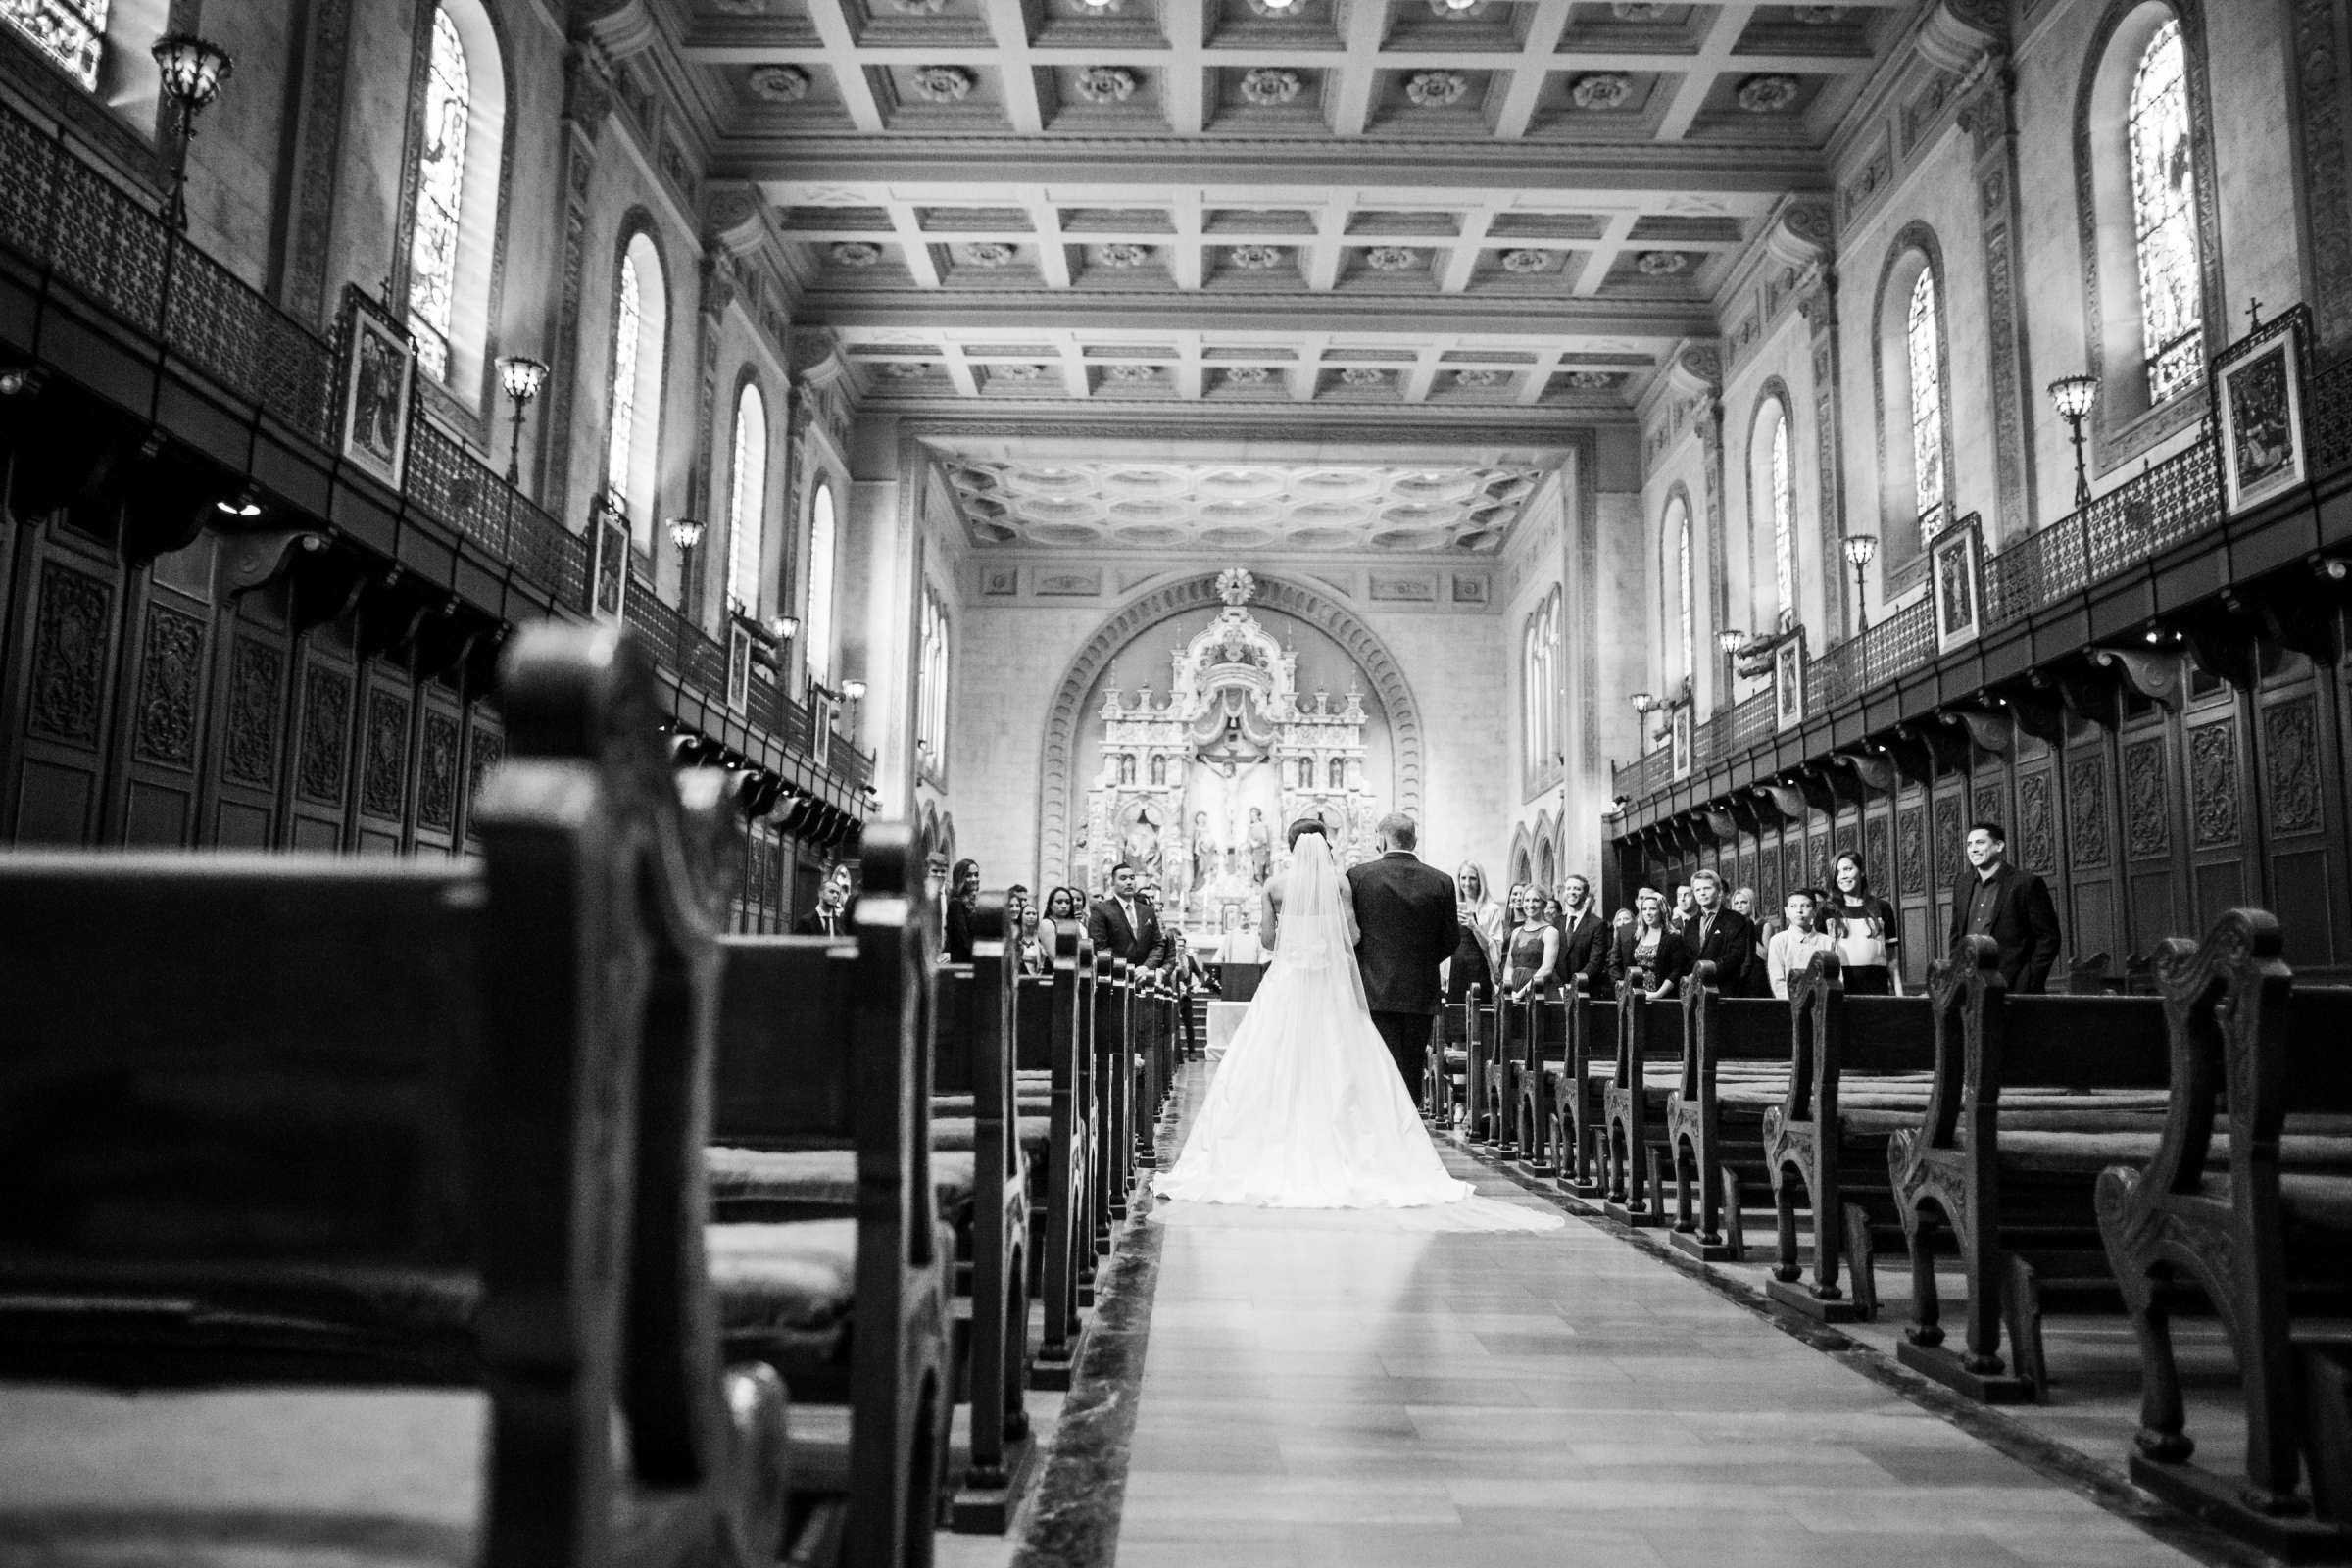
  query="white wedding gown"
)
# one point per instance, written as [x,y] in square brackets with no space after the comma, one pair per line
[1307,1111]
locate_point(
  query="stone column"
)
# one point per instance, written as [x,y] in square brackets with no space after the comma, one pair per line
[587,105]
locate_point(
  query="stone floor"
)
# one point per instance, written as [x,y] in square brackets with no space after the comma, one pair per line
[1311,1397]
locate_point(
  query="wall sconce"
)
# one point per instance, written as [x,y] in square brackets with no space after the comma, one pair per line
[686,533]
[193,72]
[521,377]
[852,694]
[2074,397]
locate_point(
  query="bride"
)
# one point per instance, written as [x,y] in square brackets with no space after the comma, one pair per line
[1306,1109]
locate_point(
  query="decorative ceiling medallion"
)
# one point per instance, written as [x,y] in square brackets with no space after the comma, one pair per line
[1434,89]
[1124,254]
[1819,15]
[1106,84]
[1627,11]
[1016,372]
[902,371]
[780,85]
[945,84]
[1524,260]
[1249,376]
[988,253]
[1278,9]
[740,8]
[1268,85]
[1390,259]
[856,253]
[1768,94]
[1255,258]
[1601,89]
[1663,264]
[1454,11]
[923,8]
[1478,380]
[1593,380]
[1132,374]
[1364,375]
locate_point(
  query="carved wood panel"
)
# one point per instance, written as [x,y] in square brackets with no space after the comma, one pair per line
[1911,851]
[2036,822]
[2086,808]
[326,727]
[2291,763]
[2213,783]
[437,769]
[70,637]
[256,682]
[384,754]
[2147,812]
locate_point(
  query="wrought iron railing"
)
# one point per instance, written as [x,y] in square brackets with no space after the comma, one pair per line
[2151,511]
[63,214]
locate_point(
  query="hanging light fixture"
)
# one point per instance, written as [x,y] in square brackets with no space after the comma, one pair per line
[2074,397]
[193,71]
[520,378]
[1860,550]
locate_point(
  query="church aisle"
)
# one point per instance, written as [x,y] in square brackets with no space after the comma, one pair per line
[1314,1396]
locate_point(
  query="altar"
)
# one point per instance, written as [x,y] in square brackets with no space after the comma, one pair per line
[1197,787]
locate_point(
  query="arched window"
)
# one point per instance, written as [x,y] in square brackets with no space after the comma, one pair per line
[819,618]
[1922,343]
[747,500]
[1781,500]
[2164,195]
[931,695]
[71,33]
[453,230]
[1685,592]
[632,434]
[1539,669]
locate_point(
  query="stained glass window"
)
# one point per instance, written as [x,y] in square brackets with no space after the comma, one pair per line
[931,712]
[440,195]
[1926,346]
[2164,194]
[71,33]
[1686,590]
[1541,657]
[747,503]
[621,430]
[1783,519]
[820,584]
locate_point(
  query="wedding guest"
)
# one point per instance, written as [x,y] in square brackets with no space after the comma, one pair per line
[1649,944]
[1471,964]
[963,887]
[1125,925]
[1535,952]
[831,917]
[1721,936]
[1017,899]
[1036,948]
[1743,899]
[1493,915]
[2010,905]
[1861,924]
[1584,941]
[1686,908]
[1793,948]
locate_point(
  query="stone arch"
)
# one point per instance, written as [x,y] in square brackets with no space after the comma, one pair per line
[1318,607]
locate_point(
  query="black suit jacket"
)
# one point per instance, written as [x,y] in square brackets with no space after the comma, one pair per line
[1731,946]
[1107,925]
[812,925]
[1673,962]
[2025,925]
[1406,925]
[1584,950]
[958,931]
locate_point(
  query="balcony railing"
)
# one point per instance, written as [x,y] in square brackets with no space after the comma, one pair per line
[2149,513]
[64,214]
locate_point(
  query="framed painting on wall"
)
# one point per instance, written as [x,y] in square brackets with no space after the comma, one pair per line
[739,666]
[1788,682]
[378,383]
[608,560]
[1956,584]
[1679,741]
[2258,396]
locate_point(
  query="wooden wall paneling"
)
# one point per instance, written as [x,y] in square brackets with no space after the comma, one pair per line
[326,701]
[245,757]
[152,795]
[1817,849]
[383,760]
[1948,830]
[2036,843]
[62,669]
[2154,843]
[2299,751]
[2084,786]
[485,747]
[2223,816]
[1909,883]
[440,764]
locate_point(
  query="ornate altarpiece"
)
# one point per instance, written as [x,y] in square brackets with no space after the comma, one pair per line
[1195,789]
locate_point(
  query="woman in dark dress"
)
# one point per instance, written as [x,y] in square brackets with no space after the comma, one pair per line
[1470,966]
[1535,949]
[1652,946]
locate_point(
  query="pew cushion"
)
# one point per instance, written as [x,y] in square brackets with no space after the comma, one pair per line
[823,1178]
[788,1288]
[958,1132]
[261,1478]
[2317,1199]
[1029,1104]
[2323,1156]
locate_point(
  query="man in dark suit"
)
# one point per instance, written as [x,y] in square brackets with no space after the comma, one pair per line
[1125,925]
[2013,906]
[1406,926]
[1583,938]
[831,917]
[1719,934]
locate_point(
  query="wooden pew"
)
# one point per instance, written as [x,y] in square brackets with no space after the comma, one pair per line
[1860,1071]
[1544,1047]
[1577,1114]
[1052,1019]
[293,1117]
[2032,1097]
[1445,1088]
[1115,1088]
[1646,1064]
[1735,1067]
[2263,1227]
[824,1047]
[1497,1102]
